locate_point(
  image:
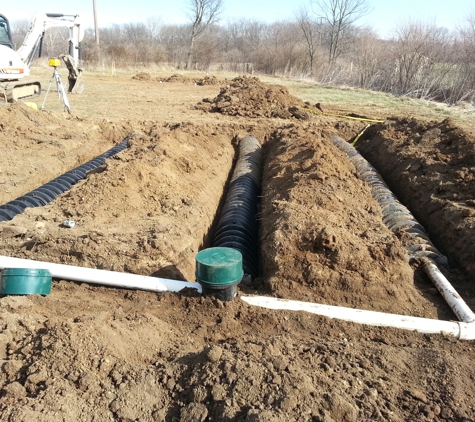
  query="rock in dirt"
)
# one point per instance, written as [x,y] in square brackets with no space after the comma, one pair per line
[14,390]
[340,409]
[418,395]
[198,394]
[194,412]
[263,416]
[13,231]
[213,354]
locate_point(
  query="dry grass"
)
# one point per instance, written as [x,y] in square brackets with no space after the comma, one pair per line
[336,99]
[353,100]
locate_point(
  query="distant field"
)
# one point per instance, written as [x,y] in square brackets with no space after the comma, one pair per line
[333,99]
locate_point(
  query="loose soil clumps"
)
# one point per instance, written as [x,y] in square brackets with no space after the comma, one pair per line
[207,80]
[249,97]
[322,235]
[143,76]
[176,78]
[131,356]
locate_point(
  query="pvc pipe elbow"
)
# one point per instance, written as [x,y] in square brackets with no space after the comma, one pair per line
[467,331]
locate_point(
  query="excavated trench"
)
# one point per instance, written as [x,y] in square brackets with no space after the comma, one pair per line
[133,355]
[317,235]
[158,203]
[49,191]
[430,167]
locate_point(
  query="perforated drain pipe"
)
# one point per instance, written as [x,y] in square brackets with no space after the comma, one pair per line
[237,226]
[46,193]
[102,277]
[453,299]
[397,217]
[460,330]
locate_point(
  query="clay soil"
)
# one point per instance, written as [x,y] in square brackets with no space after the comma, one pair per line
[92,353]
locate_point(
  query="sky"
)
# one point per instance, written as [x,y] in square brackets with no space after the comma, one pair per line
[384,15]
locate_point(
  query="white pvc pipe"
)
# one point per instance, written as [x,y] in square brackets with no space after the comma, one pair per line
[103,277]
[453,299]
[460,330]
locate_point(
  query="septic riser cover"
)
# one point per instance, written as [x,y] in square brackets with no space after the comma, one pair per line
[25,281]
[219,266]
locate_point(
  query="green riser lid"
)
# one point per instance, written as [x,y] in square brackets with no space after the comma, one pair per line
[25,281]
[219,266]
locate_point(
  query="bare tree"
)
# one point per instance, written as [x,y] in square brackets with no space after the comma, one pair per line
[175,41]
[312,32]
[339,15]
[370,57]
[202,14]
[19,30]
[154,25]
[278,48]
[420,50]
[242,41]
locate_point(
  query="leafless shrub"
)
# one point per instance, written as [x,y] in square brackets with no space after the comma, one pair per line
[421,59]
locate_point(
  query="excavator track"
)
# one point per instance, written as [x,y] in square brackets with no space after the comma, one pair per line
[14,91]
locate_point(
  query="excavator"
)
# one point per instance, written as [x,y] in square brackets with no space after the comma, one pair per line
[15,65]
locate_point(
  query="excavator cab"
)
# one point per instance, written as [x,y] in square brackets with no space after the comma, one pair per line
[5,34]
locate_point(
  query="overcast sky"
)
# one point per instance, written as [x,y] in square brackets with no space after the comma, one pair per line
[385,14]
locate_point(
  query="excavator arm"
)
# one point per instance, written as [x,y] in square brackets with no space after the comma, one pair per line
[34,37]
[44,21]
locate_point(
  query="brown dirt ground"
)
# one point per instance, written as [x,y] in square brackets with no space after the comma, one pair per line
[91,353]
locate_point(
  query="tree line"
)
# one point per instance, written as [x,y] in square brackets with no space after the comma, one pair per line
[419,59]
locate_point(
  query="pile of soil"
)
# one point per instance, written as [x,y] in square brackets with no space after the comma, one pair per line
[92,353]
[142,76]
[176,78]
[208,80]
[181,79]
[317,250]
[249,97]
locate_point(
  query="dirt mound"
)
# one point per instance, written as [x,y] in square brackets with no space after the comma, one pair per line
[181,79]
[340,252]
[208,80]
[249,97]
[143,76]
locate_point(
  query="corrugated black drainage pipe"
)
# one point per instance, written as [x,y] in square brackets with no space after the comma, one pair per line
[237,226]
[395,215]
[46,193]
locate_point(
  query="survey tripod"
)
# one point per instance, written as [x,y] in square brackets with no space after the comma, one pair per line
[54,63]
